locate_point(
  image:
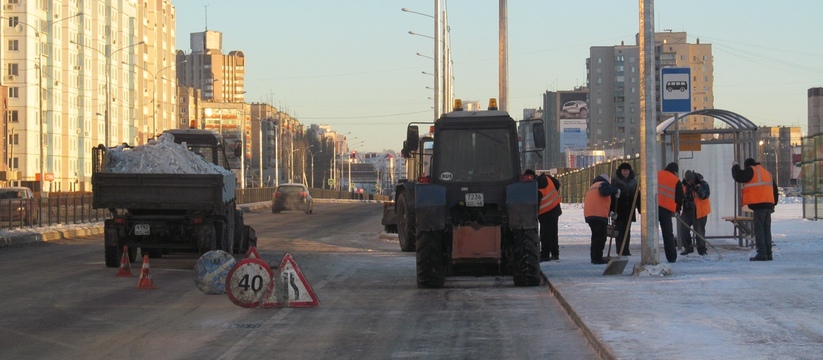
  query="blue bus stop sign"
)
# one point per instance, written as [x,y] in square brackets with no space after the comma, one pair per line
[676,90]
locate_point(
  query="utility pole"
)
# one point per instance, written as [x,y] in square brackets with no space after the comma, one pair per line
[504,56]
[648,121]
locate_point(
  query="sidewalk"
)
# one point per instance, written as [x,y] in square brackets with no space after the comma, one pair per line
[709,309]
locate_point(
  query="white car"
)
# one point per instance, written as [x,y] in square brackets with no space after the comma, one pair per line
[577,108]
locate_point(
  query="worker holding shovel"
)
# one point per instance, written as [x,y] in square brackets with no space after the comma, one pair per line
[696,209]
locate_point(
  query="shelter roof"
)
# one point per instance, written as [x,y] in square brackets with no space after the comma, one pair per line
[734,120]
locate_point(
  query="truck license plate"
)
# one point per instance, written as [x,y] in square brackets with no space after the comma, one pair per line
[474,199]
[142,229]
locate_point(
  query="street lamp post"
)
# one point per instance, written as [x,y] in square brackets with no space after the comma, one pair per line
[312,166]
[154,97]
[776,163]
[41,118]
[303,163]
[108,87]
[107,115]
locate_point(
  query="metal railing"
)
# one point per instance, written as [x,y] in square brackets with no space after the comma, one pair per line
[61,208]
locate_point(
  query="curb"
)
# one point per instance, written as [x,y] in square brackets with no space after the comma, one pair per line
[602,350]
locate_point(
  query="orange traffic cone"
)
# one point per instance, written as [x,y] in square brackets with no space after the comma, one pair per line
[145,281]
[125,264]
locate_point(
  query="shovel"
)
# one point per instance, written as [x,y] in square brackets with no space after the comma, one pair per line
[719,257]
[616,266]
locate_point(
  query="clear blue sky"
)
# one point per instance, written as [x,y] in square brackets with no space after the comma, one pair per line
[352,64]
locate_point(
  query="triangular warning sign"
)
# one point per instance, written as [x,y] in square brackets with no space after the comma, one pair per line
[295,289]
[269,299]
[252,253]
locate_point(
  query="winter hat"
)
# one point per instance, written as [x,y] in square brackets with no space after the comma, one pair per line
[624,166]
[689,175]
[530,172]
[749,162]
[605,177]
[672,166]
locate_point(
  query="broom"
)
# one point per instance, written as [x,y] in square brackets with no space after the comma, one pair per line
[616,266]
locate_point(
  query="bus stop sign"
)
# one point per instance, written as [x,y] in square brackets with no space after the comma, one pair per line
[676,90]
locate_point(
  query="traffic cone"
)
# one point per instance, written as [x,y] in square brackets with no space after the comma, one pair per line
[145,281]
[125,264]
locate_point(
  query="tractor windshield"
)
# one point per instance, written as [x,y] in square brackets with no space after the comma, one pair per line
[474,155]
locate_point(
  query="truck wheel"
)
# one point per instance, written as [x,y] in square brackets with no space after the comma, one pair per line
[112,258]
[526,258]
[431,265]
[405,224]
[240,242]
[110,237]
[208,239]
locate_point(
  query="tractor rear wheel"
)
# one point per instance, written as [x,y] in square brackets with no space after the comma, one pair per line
[431,264]
[526,258]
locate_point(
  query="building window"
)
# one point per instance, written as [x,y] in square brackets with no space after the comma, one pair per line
[14,45]
[13,69]
[13,139]
[13,163]
[13,21]
[13,116]
[14,92]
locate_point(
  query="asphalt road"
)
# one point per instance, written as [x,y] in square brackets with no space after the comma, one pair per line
[59,301]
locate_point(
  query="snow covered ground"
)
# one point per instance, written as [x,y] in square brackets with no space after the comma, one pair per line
[710,308]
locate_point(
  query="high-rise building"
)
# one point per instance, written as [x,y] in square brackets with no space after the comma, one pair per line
[72,69]
[157,97]
[219,77]
[613,76]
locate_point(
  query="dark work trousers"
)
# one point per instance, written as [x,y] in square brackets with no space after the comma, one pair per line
[762,219]
[624,226]
[598,238]
[664,216]
[549,234]
[686,237]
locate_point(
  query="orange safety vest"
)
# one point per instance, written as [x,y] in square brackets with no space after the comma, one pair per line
[549,198]
[703,206]
[595,204]
[666,182]
[760,188]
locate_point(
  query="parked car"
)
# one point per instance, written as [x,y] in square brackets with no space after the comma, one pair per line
[291,197]
[576,108]
[18,206]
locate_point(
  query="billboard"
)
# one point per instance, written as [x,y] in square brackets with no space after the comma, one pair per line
[572,113]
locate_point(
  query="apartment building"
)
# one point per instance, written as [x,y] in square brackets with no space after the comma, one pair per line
[218,76]
[613,77]
[72,69]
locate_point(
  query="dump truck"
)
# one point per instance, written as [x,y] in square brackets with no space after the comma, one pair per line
[169,212]
[471,210]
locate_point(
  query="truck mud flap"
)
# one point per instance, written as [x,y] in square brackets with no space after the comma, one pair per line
[521,205]
[430,207]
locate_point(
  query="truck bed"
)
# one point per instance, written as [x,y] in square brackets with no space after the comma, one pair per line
[162,191]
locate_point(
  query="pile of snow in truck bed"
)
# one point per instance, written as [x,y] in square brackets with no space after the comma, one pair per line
[161,156]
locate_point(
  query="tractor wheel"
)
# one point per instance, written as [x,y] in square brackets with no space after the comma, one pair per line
[405,224]
[526,258]
[431,265]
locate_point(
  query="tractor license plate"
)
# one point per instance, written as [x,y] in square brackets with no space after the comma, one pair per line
[474,199]
[142,229]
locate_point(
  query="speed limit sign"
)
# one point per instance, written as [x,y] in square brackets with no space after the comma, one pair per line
[247,282]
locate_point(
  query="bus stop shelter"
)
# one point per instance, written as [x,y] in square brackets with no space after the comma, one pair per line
[711,153]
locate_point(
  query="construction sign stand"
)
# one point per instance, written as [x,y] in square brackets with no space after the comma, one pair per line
[125,264]
[145,281]
[289,288]
[252,253]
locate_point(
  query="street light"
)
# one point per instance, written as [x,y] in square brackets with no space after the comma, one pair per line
[437,53]
[776,163]
[154,96]
[108,82]
[303,163]
[38,33]
[312,166]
